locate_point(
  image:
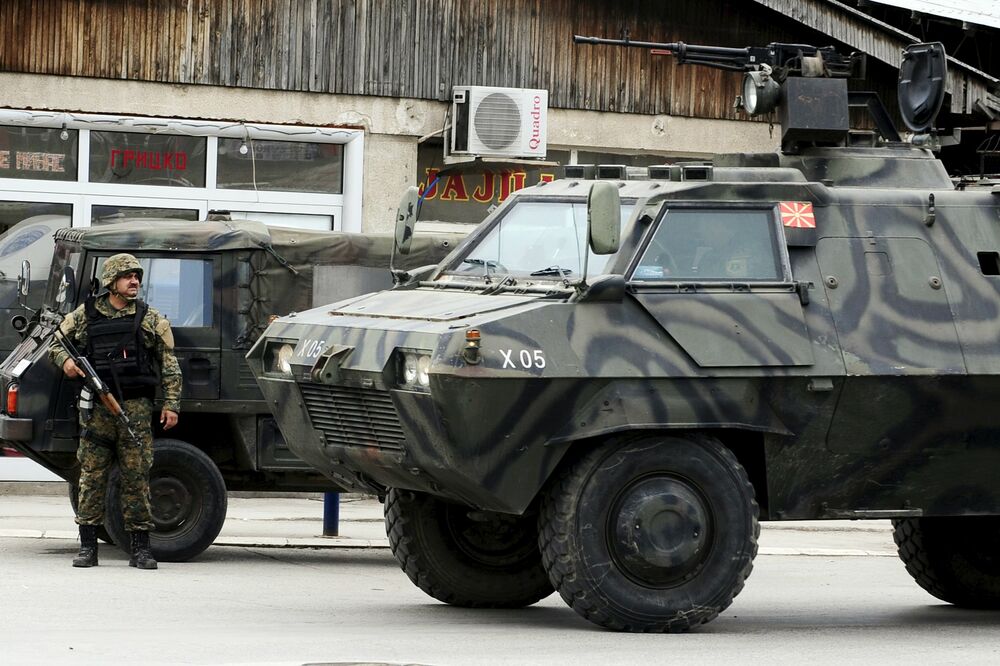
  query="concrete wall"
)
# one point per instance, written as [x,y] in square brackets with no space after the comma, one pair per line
[393,126]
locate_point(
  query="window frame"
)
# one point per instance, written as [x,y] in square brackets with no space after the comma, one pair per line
[184,336]
[777,238]
[344,208]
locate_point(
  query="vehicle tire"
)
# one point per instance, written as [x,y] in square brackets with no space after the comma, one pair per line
[463,557]
[74,498]
[651,534]
[188,497]
[957,559]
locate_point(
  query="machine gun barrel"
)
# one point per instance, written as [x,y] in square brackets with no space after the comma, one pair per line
[720,57]
[784,59]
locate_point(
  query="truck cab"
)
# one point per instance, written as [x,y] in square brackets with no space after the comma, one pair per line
[218,282]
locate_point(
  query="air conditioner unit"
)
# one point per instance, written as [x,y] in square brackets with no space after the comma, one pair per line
[498,122]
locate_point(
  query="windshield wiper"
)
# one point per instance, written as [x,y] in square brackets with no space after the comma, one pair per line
[551,270]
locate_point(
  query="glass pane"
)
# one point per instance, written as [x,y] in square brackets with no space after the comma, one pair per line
[27,234]
[147,159]
[295,220]
[289,166]
[181,289]
[111,214]
[58,293]
[39,153]
[712,245]
[536,239]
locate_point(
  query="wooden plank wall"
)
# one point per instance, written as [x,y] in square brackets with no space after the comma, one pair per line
[407,48]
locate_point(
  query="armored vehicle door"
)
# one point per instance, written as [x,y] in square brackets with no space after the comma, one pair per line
[718,280]
[182,288]
[893,321]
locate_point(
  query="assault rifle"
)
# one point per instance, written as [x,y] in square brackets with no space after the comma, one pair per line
[780,60]
[93,383]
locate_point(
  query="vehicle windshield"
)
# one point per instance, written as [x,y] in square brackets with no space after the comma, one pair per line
[538,240]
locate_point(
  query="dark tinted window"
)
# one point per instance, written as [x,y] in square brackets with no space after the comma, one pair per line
[38,153]
[291,166]
[147,159]
[735,245]
[112,214]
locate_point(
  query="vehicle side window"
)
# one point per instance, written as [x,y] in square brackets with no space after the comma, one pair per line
[719,244]
[181,289]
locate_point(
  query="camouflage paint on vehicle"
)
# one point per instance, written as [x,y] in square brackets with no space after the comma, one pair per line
[861,382]
[803,335]
[841,382]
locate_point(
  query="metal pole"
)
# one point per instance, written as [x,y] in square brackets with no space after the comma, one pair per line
[331,514]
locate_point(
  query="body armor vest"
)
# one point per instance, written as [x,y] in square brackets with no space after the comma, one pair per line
[116,349]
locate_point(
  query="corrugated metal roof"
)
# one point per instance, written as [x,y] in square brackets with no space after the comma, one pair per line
[980,12]
[969,88]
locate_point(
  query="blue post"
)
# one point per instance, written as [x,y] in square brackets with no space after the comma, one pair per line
[331,514]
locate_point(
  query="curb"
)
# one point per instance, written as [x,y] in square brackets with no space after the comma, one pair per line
[347,543]
[61,489]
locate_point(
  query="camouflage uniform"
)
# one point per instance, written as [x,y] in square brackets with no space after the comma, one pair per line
[104,439]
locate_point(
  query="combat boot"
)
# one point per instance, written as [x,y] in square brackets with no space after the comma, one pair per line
[87,557]
[142,556]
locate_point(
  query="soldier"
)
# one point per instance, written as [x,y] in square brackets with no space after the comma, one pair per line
[131,347]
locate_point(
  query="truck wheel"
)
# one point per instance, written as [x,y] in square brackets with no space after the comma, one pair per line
[74,499]
[656,534]
[188,496]
[476,559]
[957,559]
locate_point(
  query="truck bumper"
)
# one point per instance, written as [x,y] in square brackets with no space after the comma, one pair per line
[15,430]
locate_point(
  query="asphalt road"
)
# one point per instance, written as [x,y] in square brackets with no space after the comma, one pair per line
[251,605]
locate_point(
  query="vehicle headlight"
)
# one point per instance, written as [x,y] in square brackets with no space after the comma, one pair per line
[423,370]
[414,369]
[279,356]
[409,368]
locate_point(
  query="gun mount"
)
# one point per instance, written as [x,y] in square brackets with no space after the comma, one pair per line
[807,85]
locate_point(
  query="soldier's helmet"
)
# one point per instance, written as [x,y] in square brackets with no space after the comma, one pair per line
[118,265]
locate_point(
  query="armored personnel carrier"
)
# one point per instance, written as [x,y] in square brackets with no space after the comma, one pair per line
[219,282]
[612,380]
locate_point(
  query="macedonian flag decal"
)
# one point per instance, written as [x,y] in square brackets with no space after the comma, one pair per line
[797,214]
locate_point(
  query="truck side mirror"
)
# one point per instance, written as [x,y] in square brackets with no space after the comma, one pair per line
[604,218]
[406,219]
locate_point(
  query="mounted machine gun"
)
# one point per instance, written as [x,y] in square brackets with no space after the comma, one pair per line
[808,85]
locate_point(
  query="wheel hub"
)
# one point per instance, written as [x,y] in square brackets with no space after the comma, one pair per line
[659,531]
[171,502]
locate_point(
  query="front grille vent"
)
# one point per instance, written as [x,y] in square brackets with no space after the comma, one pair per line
[356,417]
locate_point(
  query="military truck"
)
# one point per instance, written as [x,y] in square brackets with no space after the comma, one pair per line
[219,282]
[611,381]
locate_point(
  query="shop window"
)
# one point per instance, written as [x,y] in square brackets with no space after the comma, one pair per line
[711,245]
[288,166]
[38,153]
[111,214]
[147,159]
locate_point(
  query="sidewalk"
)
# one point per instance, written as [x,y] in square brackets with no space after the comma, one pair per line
[297,522]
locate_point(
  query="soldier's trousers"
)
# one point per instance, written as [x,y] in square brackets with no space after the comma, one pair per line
[107,440]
